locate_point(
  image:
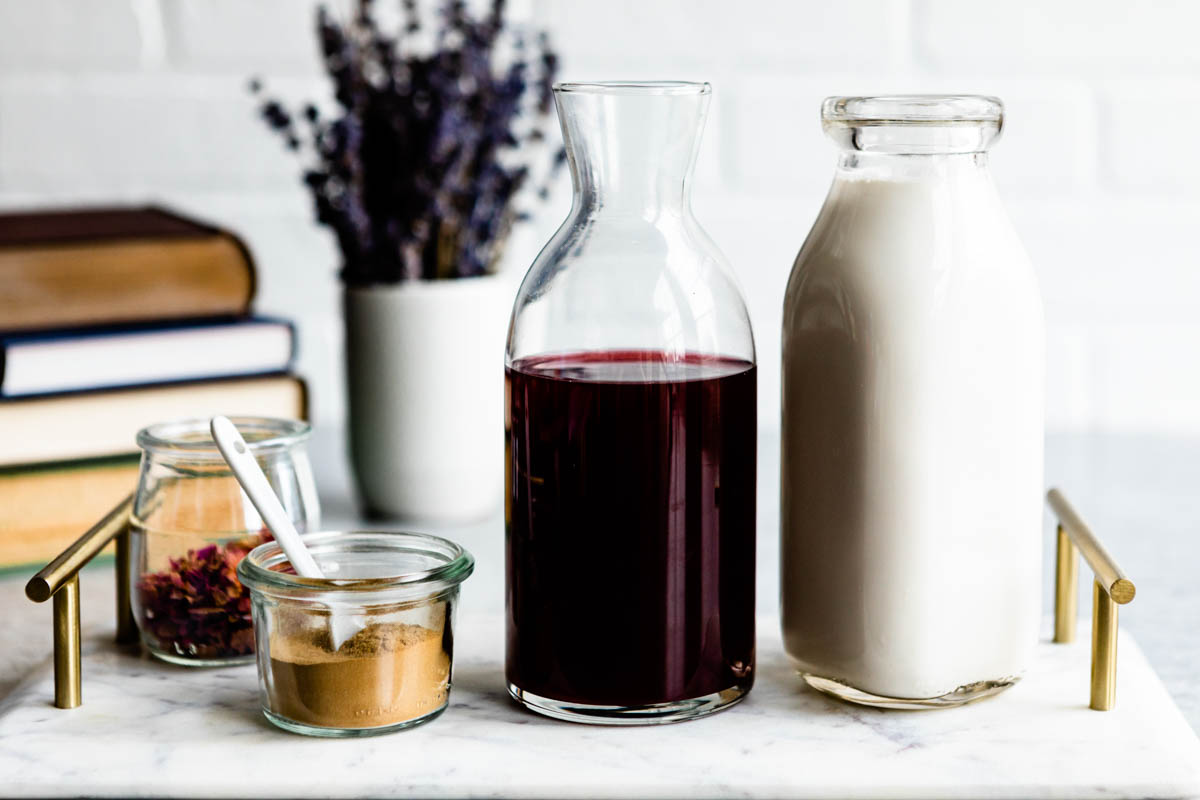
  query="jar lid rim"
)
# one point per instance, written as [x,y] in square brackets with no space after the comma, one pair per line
[191,437]
[913,109]
[457,564]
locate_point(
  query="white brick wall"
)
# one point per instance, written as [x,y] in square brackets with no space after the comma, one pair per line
[64,35]
[135,99]
[276,36]
[1095,37]
[152,131]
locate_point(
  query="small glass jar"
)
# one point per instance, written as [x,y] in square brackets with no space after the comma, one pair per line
[192,523]
[394,595]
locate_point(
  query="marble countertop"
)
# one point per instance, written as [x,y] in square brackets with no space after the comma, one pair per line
[1137,493]
[151,729]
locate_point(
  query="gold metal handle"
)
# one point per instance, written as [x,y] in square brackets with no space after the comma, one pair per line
[60,579]
[1112,588]
[1066,588]
[68,662]
[1116,583]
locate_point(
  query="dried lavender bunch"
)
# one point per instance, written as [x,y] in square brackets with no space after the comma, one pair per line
[417,171]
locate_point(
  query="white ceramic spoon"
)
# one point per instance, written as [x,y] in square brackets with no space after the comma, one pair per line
[258,489]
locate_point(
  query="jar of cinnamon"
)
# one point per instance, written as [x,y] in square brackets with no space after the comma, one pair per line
[369,648]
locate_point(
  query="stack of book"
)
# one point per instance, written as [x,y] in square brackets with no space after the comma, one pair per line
[111,320]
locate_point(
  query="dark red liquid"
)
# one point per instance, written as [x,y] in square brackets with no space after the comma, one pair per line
[630,540]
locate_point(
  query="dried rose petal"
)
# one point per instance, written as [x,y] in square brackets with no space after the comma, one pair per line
[197,606]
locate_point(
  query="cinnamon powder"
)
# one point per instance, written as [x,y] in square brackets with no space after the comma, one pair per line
[388,672]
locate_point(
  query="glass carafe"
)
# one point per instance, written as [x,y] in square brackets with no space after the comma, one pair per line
[631,427]
[912,416]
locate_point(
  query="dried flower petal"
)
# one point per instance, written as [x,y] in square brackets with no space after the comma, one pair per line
[197,607]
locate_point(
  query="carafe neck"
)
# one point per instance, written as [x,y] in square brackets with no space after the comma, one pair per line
[631,147]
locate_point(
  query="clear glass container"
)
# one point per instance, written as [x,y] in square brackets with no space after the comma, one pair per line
[631,432]
[912,416]
[192,524]
[396,592]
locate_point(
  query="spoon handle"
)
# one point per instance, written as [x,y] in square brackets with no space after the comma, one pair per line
[254,483]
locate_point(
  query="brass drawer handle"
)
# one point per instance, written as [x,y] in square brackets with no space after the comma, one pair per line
[1112,588]
[60,579]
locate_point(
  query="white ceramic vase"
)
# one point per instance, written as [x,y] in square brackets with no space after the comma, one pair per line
[424,365]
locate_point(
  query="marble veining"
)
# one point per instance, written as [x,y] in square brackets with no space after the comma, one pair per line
[151,729]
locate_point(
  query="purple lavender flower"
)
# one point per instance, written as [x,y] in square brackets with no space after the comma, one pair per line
[417,172]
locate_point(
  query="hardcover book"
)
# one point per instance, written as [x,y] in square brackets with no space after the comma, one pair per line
[35,363]
[44,509]
[105,423]
[102,266]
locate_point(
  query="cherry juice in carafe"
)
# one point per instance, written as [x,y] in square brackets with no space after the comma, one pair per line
[631,540]
[630,433]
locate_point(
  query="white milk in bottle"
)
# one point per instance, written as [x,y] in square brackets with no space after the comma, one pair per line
[912,416]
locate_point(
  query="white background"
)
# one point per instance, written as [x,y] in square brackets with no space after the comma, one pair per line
[1099,167]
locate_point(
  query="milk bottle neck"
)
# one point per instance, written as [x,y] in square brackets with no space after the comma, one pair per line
[913,137]
[931,167]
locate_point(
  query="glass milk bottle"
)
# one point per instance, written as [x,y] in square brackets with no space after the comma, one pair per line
[631,430]
[912,416]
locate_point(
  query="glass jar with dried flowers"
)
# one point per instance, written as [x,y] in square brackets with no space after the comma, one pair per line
[192,524]
[436,131]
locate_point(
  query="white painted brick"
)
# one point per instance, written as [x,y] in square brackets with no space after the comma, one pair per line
[680,38]
[771,137]
[1050,137]
[1144,124]
[801,32]
[627,41]
[56,35]
[143,133]
[1107,36]
[262,35]
[273,36]
[1123,262]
